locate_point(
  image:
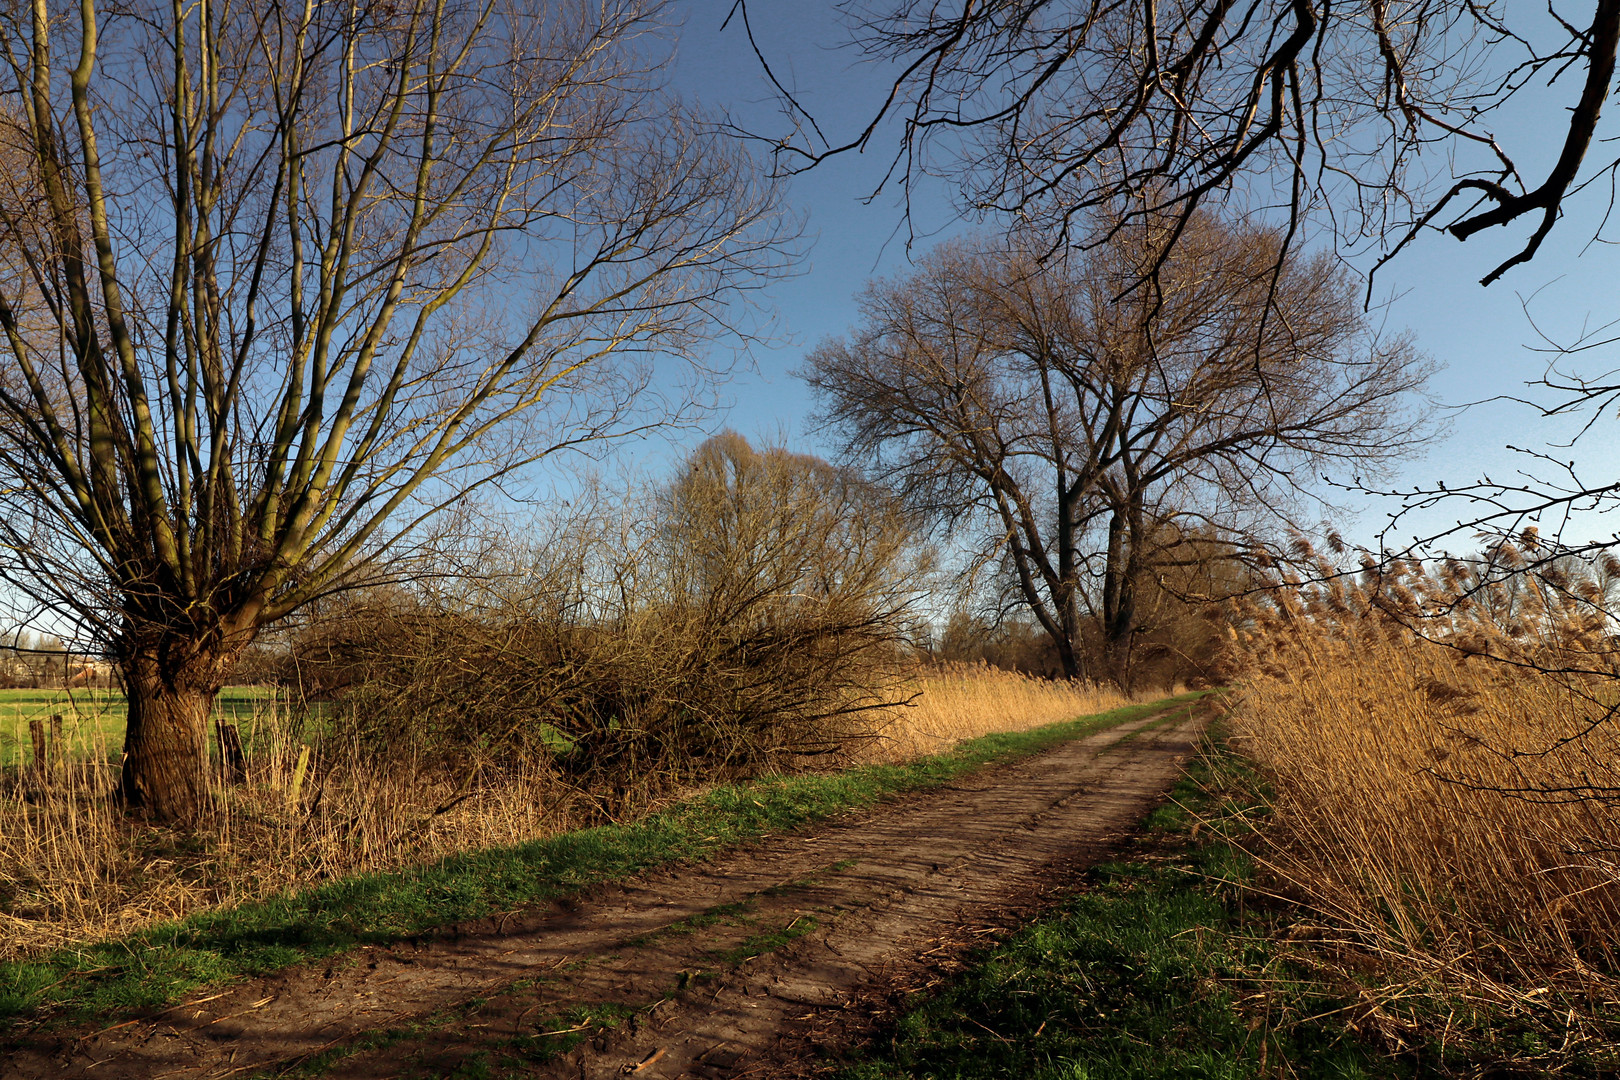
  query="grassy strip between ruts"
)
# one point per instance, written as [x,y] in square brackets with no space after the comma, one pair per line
[1161,967]
[158,966]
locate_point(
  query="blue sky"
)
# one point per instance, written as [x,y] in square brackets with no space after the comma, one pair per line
[1483,336]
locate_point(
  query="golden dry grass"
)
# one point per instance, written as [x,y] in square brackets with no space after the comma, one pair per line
[73,870]
[964,702]
[1451,813]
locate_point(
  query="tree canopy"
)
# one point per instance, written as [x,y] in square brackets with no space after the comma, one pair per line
[280,284]
[1077,438]
[1051,110]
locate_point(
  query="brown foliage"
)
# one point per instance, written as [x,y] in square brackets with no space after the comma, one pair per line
[762,614]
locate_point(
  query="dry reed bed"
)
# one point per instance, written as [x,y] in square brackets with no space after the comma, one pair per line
[71,870]
[967,701]
[1451,814]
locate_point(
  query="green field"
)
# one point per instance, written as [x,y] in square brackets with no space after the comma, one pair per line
[93,720]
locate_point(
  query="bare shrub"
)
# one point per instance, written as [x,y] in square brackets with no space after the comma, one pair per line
[751,612]
[73,869]
[1010,644]
[759,614]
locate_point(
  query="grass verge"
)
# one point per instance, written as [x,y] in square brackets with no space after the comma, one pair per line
[158,966]
[1163,966]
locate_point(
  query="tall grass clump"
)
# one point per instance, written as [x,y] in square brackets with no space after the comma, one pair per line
[74,868]
[1442,752]
[313,806]
[961,701]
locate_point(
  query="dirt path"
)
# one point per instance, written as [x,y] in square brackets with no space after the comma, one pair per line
[737,967]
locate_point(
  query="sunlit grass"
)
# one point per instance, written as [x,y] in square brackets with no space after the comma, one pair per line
[1151,972]
[92,719]
[967,701]
[1451,817]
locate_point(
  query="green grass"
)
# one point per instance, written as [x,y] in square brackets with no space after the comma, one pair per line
[769,941]
[1159,968]
[93,720]
[1172,961]
[556,1036]
[160,965]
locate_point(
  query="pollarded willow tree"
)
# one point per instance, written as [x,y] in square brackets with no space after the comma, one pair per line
[282,283]
[1083,433]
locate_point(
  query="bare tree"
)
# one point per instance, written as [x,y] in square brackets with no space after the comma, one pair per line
[1049,110]
[308,274]
[1081,436]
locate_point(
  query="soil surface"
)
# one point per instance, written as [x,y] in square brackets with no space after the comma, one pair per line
[757,963]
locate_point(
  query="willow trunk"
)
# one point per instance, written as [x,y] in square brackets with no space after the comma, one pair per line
[171,693]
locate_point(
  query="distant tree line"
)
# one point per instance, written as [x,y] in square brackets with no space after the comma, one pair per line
[1183,613]
[42,661]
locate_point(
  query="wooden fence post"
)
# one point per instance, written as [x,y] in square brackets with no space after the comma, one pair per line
[232,760]
[36,733]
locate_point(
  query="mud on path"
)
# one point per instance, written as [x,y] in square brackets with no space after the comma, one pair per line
[738,967]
